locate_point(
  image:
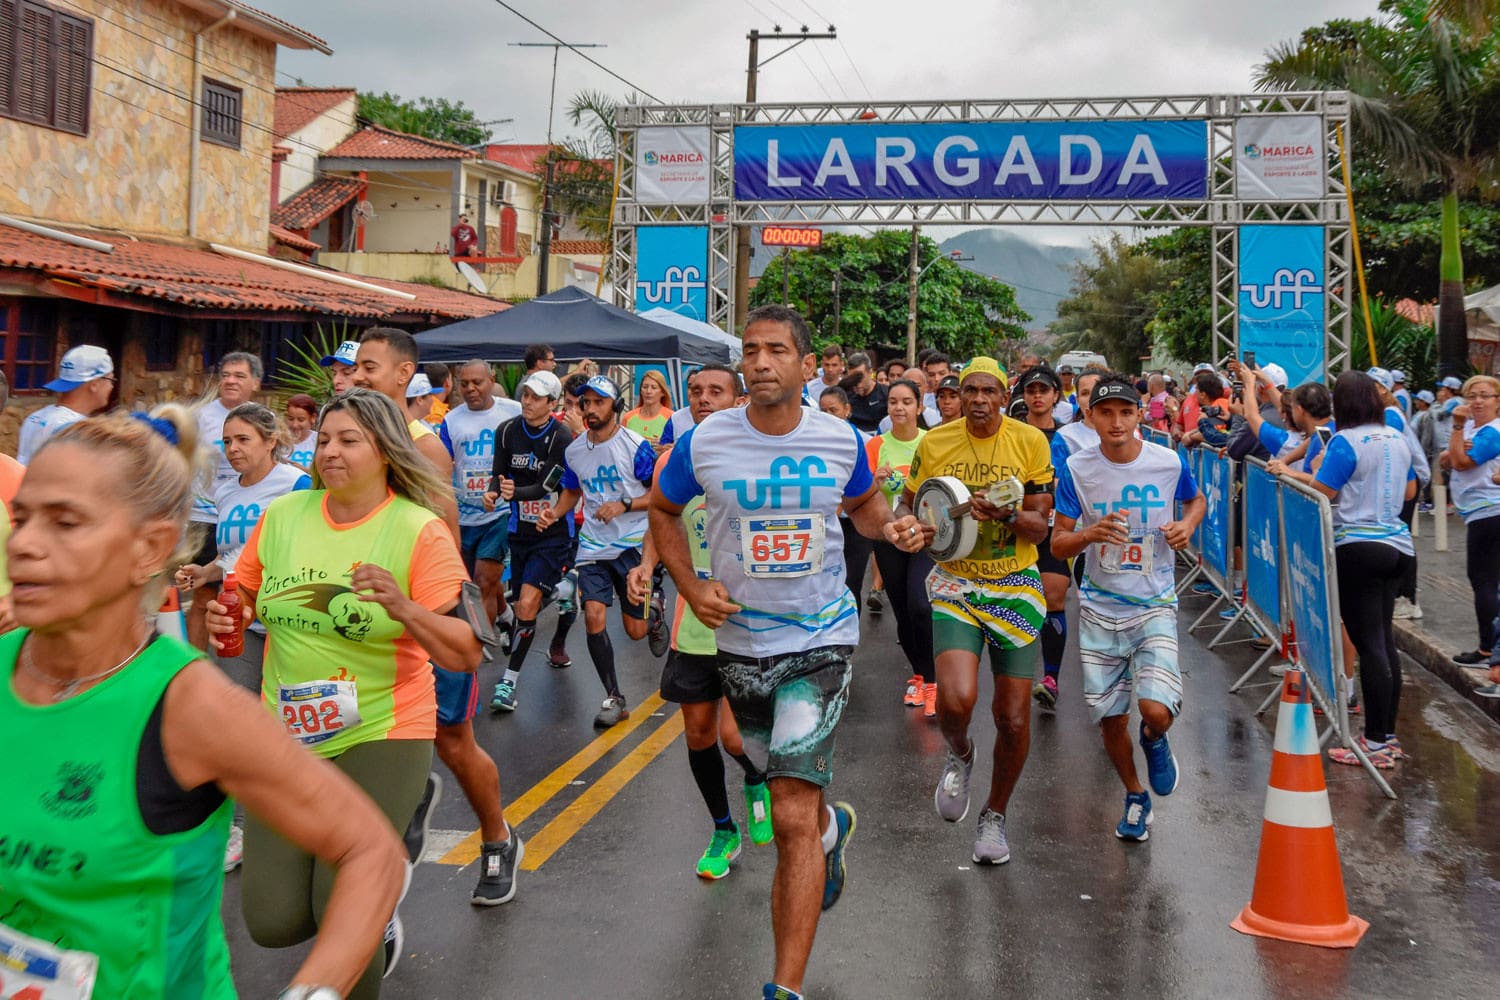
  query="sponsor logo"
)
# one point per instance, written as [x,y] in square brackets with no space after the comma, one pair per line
[785,474]
[654,159]
[1254,152]
[1285,282]
[674,279]
[74,797]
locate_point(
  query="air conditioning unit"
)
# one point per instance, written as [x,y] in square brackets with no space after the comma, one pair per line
[503,193]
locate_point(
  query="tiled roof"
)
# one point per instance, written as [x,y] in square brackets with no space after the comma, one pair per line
[297,107]
[297,242]
[376,143]
[530,158]
[316,202]
[203,279]
[579,248]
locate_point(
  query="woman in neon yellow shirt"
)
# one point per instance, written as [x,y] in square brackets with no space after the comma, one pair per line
[117,766]
[650,418]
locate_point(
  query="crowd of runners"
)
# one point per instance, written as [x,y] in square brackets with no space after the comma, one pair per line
[389,552]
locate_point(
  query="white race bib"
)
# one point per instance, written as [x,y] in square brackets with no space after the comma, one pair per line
[318,710]
[1135,556]
[31,969]
[531,510]
[782,547]
[942,585]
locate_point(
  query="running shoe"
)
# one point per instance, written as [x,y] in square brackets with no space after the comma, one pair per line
[952,795]
[1472,659]
[833,884]
[497,872]
[612,711]
[875,603]
[1406,610]
[722,849]
[1161,763]
[1205,588]
[658,638]
[1393,744]
[421,820]
[929,701]
[913,697]
[393,942]
[991,847]
[1424,508]
[1380,755]
[505,697]
[1488,691]
[558,658]
[1354,708]
[1045,693]
[758,813]
[234,849]
[1133,825]
[774,992]
[1228,613]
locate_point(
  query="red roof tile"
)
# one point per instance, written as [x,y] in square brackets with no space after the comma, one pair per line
[579,248]
[316,202]
[297,107]
[530,158]
[376,143]
[203,279]
[294,240]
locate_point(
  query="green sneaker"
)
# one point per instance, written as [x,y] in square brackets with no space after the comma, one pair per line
[723,849]
[758,811]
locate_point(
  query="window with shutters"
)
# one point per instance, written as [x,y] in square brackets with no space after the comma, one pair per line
[46,65]
[221,113]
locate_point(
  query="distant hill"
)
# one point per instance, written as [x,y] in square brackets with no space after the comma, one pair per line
[1040,273]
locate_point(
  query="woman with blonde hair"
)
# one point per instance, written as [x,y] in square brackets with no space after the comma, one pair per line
[354,581]
[114,745]
[650,418]
[1473,455]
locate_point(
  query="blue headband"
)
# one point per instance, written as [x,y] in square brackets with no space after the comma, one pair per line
[160,425]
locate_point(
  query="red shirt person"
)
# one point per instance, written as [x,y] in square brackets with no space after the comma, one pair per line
[465,238]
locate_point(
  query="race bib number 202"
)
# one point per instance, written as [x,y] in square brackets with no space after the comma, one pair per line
[782,547]
[319,710]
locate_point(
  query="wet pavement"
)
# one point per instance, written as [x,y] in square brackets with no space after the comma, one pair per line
[613,909]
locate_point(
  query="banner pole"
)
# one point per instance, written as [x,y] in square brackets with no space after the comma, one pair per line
[1359,262]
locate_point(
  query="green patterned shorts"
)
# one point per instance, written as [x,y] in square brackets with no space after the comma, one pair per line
[788,706]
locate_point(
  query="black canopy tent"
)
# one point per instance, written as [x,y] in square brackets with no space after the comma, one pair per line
[575,325]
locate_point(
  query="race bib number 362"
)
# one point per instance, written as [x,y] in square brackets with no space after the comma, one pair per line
[319,710]
[782,547]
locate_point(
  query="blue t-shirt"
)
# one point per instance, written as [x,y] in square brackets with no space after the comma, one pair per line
[1369,466]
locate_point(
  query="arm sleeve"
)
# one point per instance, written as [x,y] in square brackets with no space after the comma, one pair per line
[860,478]
[676,480]
[1067,502]
[668,434]
[569,479]
[436,569]
[1059,453]
[645,463]
[1486,446]
[1187,486]
[302,483]
[1241,441]
[248,570]
[1338,464]
[443,437]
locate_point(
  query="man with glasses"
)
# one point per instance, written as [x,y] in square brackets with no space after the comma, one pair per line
[84,382]
[539,358]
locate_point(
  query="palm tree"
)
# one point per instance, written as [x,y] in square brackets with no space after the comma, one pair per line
[583,177]
[1424,87]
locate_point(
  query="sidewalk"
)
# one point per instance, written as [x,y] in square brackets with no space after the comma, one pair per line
[1447,624]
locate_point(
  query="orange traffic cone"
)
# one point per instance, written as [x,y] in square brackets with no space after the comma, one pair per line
[169,620]
[1299,886]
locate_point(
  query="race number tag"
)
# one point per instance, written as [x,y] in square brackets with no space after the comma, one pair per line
[318,710]
[942,585]
[782,547]
[531,510]
[1135,556]
[31,969]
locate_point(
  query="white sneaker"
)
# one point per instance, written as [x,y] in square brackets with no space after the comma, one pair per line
[234,849]
[1406,610]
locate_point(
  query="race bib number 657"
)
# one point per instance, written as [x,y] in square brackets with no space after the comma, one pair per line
[782,547]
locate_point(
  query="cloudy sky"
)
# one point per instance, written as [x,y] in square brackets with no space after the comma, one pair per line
[695,52]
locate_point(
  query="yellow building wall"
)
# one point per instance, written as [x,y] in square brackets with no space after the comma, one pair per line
[131,171]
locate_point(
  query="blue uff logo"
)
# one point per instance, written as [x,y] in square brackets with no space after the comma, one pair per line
[785,474]
[482,445]
[1297,284]
[606,480]
[1141,499]
[242,518]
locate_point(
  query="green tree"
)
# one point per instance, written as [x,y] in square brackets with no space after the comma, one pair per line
[1183,320]
[1115,297]
[583,175]
[435,118]
[1424,85]
[959,312]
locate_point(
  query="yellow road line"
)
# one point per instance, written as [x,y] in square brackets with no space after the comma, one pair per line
[544,843]
[467,850]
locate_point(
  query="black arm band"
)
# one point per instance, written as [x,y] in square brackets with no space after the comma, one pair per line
[1033,489]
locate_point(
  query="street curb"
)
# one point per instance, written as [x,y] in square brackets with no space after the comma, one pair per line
[1425,649]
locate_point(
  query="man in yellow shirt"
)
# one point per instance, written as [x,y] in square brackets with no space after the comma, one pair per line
[991,598]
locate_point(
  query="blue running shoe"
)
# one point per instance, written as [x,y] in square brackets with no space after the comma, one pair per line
[505,697]
[1228,614]
[774,992]
[833,885]
[1161,763]
[1133,825]
[1204,587]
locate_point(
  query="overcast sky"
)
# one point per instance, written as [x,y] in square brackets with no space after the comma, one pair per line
[695,52]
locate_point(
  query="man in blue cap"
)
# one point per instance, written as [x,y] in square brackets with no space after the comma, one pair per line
[84,382]
[342,363]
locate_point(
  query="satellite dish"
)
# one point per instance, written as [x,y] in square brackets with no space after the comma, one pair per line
[472,277]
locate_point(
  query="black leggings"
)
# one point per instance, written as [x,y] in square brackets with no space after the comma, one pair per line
[905,575]
[1369,575]
[1407,587]
[857,550]
[1484,576]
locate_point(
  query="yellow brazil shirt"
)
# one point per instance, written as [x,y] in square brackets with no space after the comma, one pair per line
[1018,450]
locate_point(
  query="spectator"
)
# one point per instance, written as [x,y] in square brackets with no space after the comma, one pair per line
[420,395]
[831,373]
[936,367]
[441,378]
[539,357]
[1474,457]
[341,362]
[867,398]
[1161,407]
[85,380]
[465,238]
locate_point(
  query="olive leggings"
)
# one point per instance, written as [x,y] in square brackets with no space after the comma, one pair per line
[284,890]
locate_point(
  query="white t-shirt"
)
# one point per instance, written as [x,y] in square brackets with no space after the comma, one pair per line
[1475,493]
[40,426]
[1369,466]
[302,451]
[612,470]
[1119,579]
[211,435]
[469,435]
[773,528]
[241,507]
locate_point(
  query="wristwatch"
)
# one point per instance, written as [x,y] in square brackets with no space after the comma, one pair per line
[309,993]
[628,503]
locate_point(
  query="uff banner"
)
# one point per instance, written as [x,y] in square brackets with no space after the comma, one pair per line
[671,166]
[1281,299]
[973,161]
[1262,543]
[1218,493]
[671,269]
[1312,584]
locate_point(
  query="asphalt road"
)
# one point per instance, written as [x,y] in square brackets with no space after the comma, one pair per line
[614,828]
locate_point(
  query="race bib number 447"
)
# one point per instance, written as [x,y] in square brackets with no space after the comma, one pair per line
[782,547]
[319,710]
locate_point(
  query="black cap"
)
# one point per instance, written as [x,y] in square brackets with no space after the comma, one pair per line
[947,382]
[1110,389]
[1065,370]
[1040,374]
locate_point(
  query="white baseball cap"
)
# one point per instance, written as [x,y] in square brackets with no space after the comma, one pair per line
[1383,377]
[82,364]
[1426,397]
[420,385]
[1451,383]
[1397,375]
[1275,373]
[344,355]
[542,384]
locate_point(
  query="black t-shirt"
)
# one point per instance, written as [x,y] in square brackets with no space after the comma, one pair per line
[866,412]
[533,457]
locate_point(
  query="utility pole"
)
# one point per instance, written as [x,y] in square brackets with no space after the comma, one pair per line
[752,72]
[913,274]
[544,254]
[786,275]
[837,308]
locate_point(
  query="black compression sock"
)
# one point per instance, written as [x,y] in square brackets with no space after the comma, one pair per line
[753,774]
[520,642]
[708,772]
[602,651]
[564,626]
[1054,641]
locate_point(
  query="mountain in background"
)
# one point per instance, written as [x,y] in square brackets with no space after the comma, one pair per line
[1040,273]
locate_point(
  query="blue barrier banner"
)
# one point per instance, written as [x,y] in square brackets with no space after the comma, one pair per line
[973,161]
[671,269]
[1262,543]
[1195,466]
[1311,583]
[1217,486]
[1158,437]
[1281,299]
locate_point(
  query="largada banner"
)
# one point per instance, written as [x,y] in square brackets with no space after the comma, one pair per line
[671,269]
[972,161]
[1281,299]
[1279,157]
[671,166]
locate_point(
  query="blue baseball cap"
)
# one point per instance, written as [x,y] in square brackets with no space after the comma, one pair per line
[80,365]
[344,355]
[602,384]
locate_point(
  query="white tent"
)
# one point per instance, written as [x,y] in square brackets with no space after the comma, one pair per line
[678,321]
[1482,309]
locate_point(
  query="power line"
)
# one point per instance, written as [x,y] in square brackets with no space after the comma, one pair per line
[581,54]
[860,76]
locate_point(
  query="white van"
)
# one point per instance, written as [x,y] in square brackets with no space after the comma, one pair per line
[1079,360]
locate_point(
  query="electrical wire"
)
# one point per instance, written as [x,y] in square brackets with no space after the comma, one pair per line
[582,54]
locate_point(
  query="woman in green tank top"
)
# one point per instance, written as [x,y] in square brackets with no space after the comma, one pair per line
[118,776]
